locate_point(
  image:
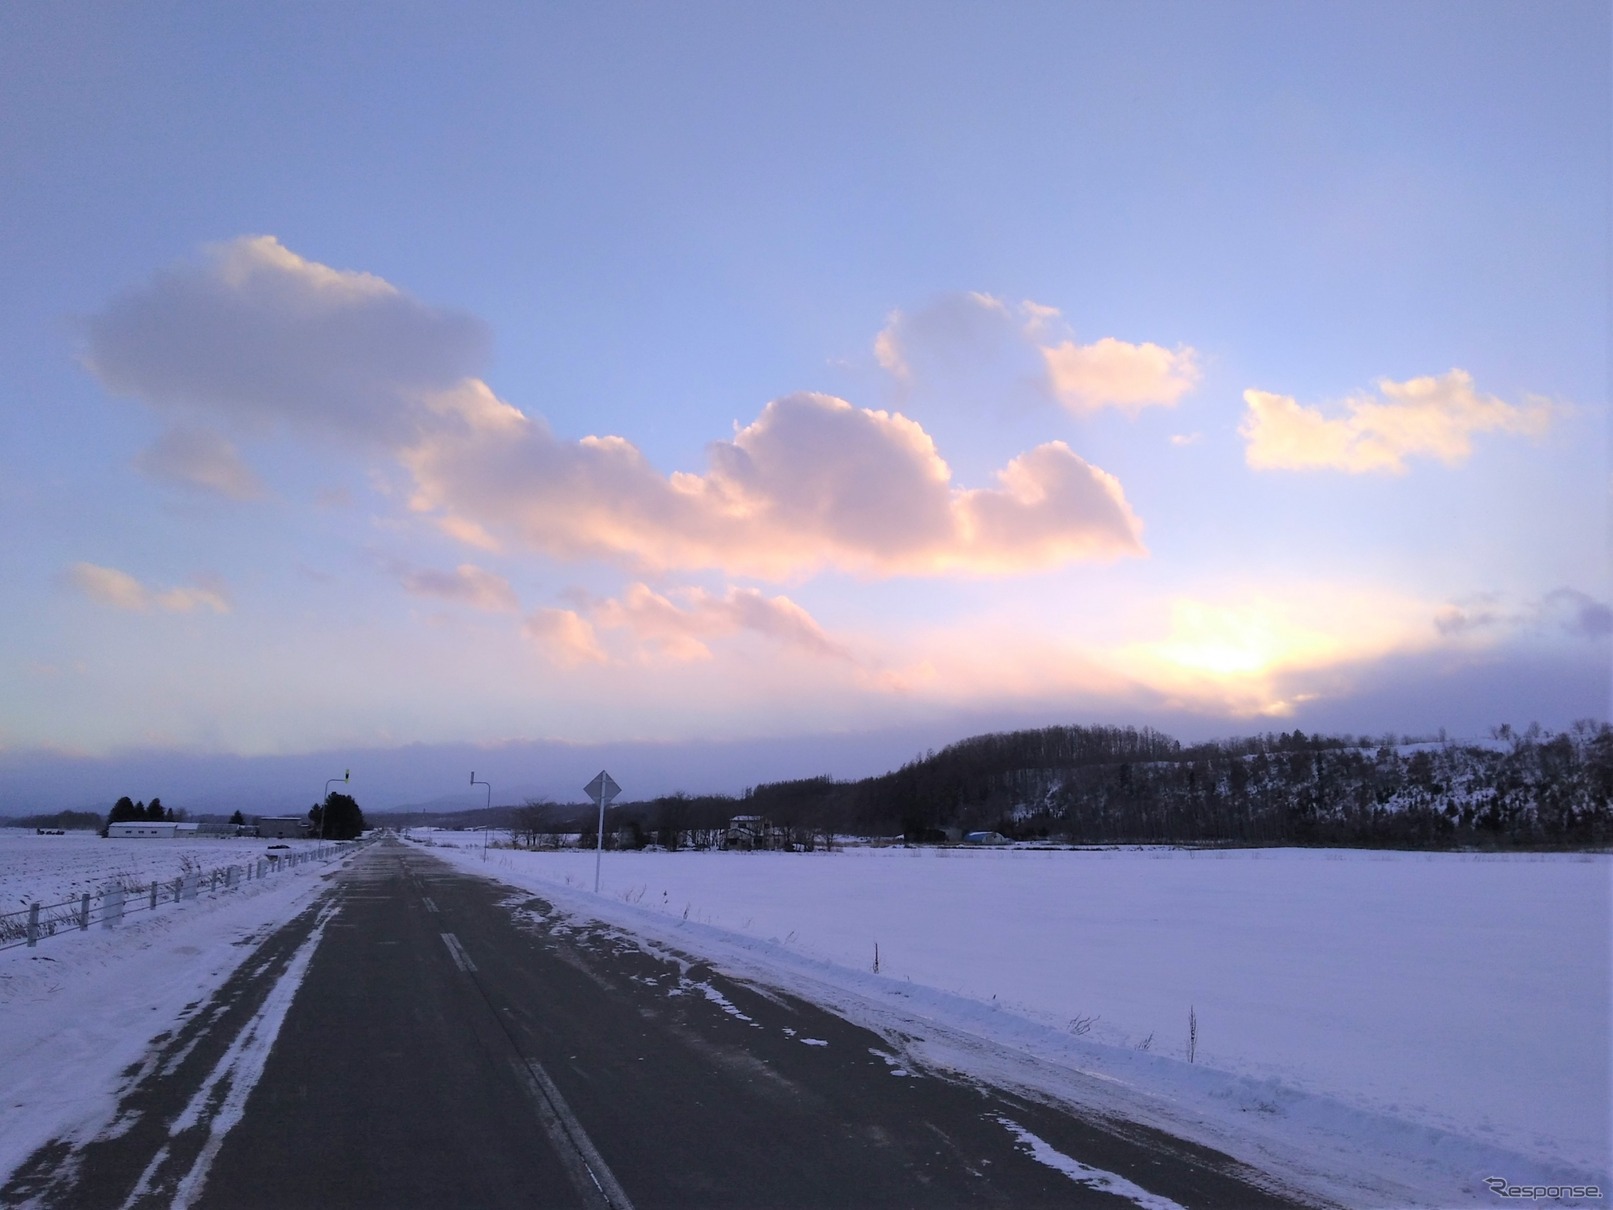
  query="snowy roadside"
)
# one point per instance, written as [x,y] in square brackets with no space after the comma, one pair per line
[1336,1127]
[83,1008]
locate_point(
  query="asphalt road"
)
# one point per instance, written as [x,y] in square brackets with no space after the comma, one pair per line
[453,1044]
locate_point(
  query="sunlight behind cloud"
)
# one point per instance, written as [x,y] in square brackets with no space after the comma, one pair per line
[1248,655]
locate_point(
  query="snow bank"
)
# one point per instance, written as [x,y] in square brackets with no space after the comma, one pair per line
[1385,1027]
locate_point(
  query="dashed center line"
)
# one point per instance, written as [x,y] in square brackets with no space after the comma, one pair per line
[457,953]
[430,906]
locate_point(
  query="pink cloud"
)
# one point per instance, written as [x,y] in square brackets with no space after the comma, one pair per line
[565,636]
[682,630]
[812,483]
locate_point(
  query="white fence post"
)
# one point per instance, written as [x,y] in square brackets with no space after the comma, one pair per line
[33,924]
[84,911]
[111,906]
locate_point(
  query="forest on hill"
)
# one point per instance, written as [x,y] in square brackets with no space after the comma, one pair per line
[1073,784]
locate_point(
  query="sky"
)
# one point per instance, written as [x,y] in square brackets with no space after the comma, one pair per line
[751,381]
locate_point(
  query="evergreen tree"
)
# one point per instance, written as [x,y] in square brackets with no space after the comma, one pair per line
[338,818]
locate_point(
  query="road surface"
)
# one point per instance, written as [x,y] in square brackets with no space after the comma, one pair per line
[422,1037]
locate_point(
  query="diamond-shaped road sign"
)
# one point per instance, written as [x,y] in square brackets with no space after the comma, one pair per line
[602,789]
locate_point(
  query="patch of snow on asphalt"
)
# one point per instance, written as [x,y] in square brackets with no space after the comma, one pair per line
[1043,1152]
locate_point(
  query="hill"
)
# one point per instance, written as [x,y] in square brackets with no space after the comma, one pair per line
[1533,788]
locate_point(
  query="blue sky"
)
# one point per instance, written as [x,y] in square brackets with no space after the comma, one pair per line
[1217,367]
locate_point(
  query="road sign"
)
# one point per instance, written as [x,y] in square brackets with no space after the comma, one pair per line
[602,789]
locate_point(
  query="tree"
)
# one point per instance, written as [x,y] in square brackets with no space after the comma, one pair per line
[338,818]
[238,819]
[121,810]
[530,820]
[155,811]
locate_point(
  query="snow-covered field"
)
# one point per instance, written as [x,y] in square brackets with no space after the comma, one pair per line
[51,869]
[1390,1028]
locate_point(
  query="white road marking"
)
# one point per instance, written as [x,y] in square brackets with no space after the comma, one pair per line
[430,906]
[457,953]
[571,1143]
[242,1065]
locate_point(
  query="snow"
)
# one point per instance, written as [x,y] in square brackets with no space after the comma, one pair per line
[1382,1028]
[1043,1152]
[83,1007]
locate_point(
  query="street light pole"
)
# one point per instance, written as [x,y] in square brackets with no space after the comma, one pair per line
[485,825]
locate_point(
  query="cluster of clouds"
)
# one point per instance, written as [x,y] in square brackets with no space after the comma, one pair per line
[256,339]
[253,340]
[674,626]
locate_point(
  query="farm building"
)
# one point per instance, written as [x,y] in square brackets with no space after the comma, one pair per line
[141,828]
[754,832]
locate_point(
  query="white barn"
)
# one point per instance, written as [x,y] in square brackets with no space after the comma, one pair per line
[142,828]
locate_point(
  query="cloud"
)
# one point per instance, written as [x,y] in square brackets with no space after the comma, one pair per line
[466,585]
[1430,417]
[1113,373]
[566,636]
[1578,613]
[813,482]
[259,336]
[681,631]
[200,459]
[1566,611]
[979,346]
[1471,618]
[120,590]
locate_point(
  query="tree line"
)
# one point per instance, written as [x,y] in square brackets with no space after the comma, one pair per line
[1071,784]
[126,810]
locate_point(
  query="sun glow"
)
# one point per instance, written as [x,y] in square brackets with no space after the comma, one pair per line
[1247,655]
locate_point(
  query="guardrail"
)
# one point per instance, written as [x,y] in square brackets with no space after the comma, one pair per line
[109,906]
